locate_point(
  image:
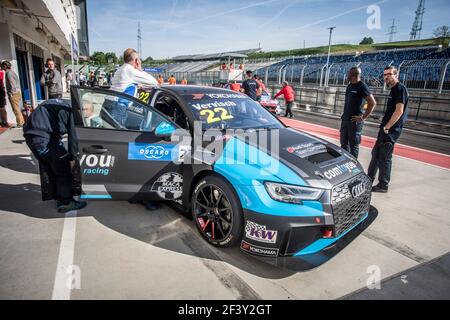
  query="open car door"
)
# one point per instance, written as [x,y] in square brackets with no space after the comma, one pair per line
[125,150]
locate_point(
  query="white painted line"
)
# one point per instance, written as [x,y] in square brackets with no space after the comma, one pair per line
[62,286]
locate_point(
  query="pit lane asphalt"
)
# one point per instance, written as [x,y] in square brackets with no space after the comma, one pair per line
[122,251]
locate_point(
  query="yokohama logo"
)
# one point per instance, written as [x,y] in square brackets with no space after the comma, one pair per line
[260,251]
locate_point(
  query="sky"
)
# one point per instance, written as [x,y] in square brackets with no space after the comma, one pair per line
[178,27]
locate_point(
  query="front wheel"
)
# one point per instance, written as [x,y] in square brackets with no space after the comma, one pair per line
[217,212]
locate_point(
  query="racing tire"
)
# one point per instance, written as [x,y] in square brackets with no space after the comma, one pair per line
[217,212]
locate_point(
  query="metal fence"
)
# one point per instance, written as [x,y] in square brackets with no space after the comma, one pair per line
[422,109]
[431,74]
[425,74]
[201,78]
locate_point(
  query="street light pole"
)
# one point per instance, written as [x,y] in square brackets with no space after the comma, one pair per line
[329,52]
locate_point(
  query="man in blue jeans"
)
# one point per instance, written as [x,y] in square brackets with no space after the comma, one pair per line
[390,129]
[356,94]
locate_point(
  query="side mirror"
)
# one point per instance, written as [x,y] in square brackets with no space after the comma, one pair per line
[164,129]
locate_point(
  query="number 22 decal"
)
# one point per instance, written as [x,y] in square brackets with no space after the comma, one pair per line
[213,115]
[144,97]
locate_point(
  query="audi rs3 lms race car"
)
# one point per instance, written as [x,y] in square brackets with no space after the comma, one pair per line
[245,177]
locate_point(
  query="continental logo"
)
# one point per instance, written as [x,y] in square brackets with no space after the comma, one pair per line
[340,170]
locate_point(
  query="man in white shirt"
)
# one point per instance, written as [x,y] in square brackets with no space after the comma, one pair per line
[129,77]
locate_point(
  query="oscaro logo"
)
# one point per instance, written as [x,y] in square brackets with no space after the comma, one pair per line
[358,190]
[154,152]
[339,169]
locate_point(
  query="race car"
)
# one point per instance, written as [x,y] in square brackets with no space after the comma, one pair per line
[270,104]
[245,177]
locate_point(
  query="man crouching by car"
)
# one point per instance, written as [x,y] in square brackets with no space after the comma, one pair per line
[43,133]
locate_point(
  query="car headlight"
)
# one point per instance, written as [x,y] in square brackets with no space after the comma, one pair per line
[292,194]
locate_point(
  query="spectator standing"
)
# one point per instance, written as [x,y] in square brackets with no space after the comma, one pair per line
[390,130]
[250,87]
[91,79]
[184,82]
[13,92]
[82,79]
[160,80]
[262,87]
[235,86]
[289,96]
[52,80]
[354,116]
[69,80]
[3,115]
[172,80]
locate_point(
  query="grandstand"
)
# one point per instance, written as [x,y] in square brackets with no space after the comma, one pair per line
[424,68]
[420,68]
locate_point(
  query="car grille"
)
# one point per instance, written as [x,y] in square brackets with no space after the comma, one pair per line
[348,210]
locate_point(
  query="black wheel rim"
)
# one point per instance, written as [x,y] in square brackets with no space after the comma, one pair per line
[213,213]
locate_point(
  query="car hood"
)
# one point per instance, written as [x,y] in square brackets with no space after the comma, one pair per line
[317,162]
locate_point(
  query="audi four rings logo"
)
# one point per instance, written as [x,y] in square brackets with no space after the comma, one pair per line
[358,190]
[154,152]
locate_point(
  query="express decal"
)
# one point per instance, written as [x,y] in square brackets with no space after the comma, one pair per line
[97,165]
[306,150]
[169,186]
[260,233]
[340,169]
[268,252]
[151,152]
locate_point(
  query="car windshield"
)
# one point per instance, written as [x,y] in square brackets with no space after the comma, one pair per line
[230,111]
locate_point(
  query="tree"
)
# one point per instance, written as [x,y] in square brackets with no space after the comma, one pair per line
[441,32]
[111,58]
[367,40]
[98,58]
[148,60]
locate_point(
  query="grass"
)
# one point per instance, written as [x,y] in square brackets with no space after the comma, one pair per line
[349,48]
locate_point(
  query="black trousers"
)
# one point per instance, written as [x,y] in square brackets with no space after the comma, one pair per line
[351,136]
[54,166]
[382,160]
[289,109]
[55,96]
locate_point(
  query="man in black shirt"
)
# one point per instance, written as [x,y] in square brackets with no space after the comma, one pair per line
[43,133]
[390,130]
[354,115]
[250,87]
